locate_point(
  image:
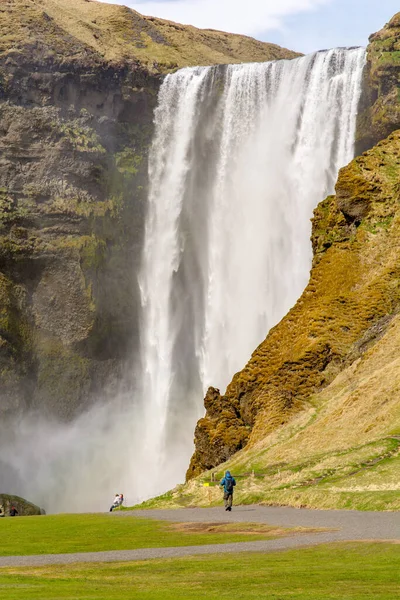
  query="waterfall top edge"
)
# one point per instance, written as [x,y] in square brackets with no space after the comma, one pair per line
[266,62]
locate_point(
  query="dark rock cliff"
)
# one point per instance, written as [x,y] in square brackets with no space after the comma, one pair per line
[73,176]
[74,135]
[380,107]
[24,508]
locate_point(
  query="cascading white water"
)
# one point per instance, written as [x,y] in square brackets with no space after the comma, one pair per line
[241,156]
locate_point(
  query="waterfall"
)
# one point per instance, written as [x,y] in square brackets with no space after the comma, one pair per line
[241,156]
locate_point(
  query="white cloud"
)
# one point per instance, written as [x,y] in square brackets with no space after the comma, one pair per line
[250,17]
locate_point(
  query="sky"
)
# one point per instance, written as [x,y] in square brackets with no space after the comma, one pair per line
[302,25]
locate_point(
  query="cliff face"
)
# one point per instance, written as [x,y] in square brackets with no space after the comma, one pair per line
[72,195]
[380,108]
[24,508]
[78,87]
[352,294]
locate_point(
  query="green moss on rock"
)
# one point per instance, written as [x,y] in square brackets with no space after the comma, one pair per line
[81,137]
[24,508]
[380,110]
[128,162]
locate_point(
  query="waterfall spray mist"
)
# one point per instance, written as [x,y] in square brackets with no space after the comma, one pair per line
[240,158]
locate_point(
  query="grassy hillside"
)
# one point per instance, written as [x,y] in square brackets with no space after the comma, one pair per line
[80,28]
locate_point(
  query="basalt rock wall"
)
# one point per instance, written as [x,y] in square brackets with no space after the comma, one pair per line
[74,135]
[379,112]
[73,177]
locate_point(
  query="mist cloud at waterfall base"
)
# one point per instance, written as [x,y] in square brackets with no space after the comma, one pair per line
[79,466]
[68,467]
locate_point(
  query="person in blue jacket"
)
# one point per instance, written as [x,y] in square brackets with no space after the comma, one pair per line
[228,482]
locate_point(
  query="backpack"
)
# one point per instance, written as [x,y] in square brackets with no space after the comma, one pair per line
[229,485]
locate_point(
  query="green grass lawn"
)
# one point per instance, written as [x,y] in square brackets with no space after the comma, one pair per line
[332,572]
[56,534]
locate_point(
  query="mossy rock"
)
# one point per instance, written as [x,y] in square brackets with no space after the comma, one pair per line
[24,507]
[379,113]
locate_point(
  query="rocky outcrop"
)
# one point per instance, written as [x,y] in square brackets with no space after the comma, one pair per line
[222,433]
[24,508]
[380,109]
[352,295]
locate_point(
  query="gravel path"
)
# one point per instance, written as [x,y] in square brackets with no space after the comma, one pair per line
[348,525]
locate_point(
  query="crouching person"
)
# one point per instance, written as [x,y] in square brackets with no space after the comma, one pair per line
[228,483]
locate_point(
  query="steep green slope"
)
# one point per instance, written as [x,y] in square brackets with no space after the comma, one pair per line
[342,451]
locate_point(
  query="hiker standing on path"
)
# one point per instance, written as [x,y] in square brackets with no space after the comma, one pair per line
[229,483]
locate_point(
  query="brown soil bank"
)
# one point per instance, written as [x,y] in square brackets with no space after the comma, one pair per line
[353,293]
